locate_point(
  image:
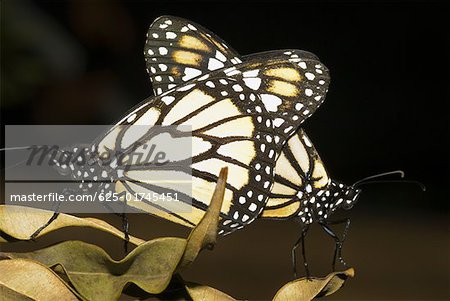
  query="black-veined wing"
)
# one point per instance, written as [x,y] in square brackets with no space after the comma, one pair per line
[226,131]
[299,174]
[291,84]
[178,50]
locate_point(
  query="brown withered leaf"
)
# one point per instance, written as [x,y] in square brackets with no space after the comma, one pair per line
[150,265]
[23,279]
[307,289]
[21,222]
[205,234]
[98,277]
[200,292]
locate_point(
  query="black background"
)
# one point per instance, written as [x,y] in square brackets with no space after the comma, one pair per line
[79,62]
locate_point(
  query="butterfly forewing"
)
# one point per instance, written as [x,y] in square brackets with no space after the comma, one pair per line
[226,131]
[178,50]
[291,84]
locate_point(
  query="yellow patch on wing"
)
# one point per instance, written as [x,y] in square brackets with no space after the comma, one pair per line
[279,188]
[283,88]
[320,174]
[276,201]
[186,105]
[191,42]
[140,127]
[300,153]
[241,127]
[199,146]
[216,112]
[185,58]
[217,44]
[149,117]
[178,207]
[238,176]
[284,169]
[203,190]
[108,142]
[289,74]
[168,179]
[133,202]
[283,212]
[242,151]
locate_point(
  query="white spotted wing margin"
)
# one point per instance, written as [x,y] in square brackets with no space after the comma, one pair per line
[291,84]
[226,132]
[178,50]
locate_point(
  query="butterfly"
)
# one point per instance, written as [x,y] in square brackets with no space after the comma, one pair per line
[178,50]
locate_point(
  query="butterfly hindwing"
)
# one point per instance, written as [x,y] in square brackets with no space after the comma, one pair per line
[178,50]
[299,172]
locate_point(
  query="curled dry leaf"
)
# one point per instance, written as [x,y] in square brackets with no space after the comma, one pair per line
[150,265]
[97,277]
[205,234]
[23,279]
[307,289]
[21,222]
[200,292]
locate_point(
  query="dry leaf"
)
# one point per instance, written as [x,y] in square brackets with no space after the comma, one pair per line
[23,279]
[21,222]
[150,265]
[307,289]
[97,277]
[205,233]
[205,293]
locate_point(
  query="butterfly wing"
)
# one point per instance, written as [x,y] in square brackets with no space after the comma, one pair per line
[299,173]
[226,131]
[288,84]
[178,50]
[291,84]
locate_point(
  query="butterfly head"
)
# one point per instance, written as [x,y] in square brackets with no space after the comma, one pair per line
[343,196]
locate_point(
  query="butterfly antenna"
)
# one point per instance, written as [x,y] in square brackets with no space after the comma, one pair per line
[421,185]
[380,175]
[14,148]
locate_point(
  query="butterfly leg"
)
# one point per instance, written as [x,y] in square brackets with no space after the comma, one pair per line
[120,212]
[301,240]
[125,229]
[55,208]
[39,230]
[338,242]
[125,223]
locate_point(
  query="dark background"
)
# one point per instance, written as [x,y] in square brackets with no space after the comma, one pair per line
[80,62]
